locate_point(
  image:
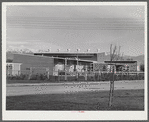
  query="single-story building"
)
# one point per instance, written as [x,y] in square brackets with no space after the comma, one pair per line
[29,64]
[33,64]
[130,66]
[90,56]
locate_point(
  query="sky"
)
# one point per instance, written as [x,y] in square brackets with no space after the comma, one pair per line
[71,27]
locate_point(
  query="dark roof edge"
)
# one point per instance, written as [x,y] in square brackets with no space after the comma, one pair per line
[120,61]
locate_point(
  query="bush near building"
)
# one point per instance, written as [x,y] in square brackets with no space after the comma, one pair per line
[61,78]
[142,67]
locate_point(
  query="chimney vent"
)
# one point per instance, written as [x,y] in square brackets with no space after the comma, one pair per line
[88,50]
[78,50]
[68,50]
[49,50]
[98,50]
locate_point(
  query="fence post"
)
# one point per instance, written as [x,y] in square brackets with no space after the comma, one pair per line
[58,76]
[94,76]
[31,70]
[65,69]
[98,76]
[85,74]
[48,74]
[122,75]
[47,70]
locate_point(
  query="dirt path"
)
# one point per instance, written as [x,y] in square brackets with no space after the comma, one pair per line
[15,90]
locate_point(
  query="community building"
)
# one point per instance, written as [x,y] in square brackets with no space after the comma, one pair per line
[128,66]
[91,56]
[57,63]
[28,63]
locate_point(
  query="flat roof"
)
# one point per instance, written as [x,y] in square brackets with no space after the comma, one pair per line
[54,57]
[12,63]
[69,52]
[120,61]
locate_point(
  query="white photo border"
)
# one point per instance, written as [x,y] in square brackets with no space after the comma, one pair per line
[69,115]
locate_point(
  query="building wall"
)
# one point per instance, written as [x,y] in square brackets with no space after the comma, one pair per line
[133,67]
[101,57]
[31,61]
[93,58]
[9,56]
[85,56]
[13,68]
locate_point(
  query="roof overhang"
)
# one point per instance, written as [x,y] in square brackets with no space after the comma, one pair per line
[120,61]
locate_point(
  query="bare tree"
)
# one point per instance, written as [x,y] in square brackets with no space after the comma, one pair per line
[122,56]
[19,51]
[118,54]
[114,55]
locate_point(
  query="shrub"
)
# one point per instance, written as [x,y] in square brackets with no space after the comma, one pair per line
[142,67]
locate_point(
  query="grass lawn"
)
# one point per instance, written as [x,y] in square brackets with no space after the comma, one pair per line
[123,100]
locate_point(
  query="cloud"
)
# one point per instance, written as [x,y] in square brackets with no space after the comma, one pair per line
[62,27]
[16,42]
